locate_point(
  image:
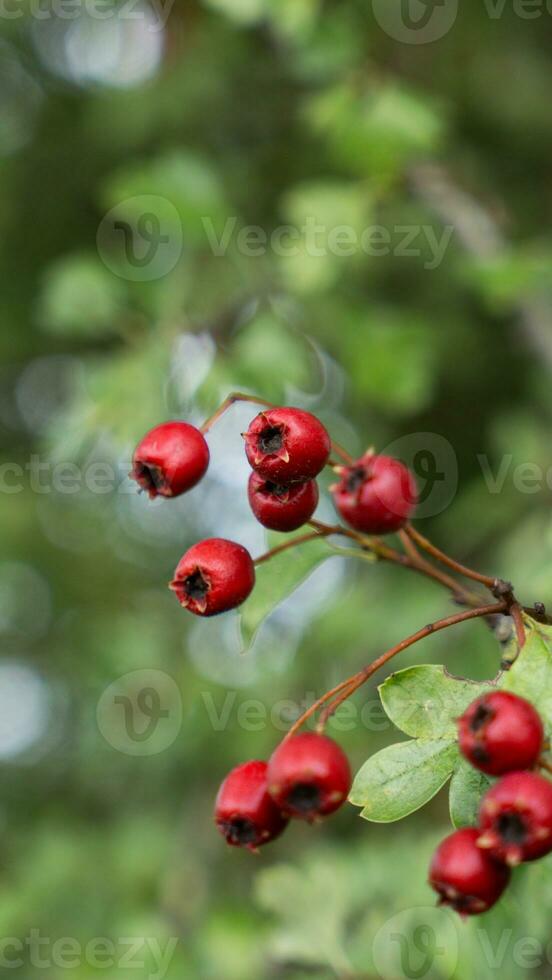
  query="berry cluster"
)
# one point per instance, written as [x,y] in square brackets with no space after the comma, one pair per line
[308,775]
[306,778]
[502,735]
[287,448]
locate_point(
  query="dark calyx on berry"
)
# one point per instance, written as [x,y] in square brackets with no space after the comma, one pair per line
[239,832]
[356,477]
[271,439]
[276,489]
[512,828]
[195,586]
[304,798]
[482,715]
[149,478]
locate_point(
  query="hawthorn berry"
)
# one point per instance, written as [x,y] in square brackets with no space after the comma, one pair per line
[309,776]
[245,813]
[287,444]
[376,494]
[170,459]
[500,732]
[280,507]
[465,877]
[213,576]
[515,818]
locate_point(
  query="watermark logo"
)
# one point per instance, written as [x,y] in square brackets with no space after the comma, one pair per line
[433,461]
[416,21]
[141,238]
[141,712]
[419,943]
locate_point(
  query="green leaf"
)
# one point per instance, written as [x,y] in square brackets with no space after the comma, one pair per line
[466,789]
[531,674]
[401,778]
[425,701]
[277,579]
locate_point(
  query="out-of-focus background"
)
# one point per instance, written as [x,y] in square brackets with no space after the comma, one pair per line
[343,206]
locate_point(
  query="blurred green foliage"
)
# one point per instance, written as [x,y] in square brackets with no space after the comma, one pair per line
[263,113]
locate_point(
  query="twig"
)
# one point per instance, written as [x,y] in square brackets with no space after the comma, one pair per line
[439,555]
[414,561]
[292,543]
[352,684]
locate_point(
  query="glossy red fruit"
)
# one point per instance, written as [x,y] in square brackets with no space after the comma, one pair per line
[465,877]
[500,732]
[515,818]
[245,814]
[170,459]
[287,444]
[213,576]
[280,507]
[376,494]
[309,776]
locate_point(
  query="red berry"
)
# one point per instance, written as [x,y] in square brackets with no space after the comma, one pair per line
[309,776]
[213,576]
[170,459]
[376,494]
[287,444]
[515,818]
[280,507]
[500,732]
[245,814]
[465,877]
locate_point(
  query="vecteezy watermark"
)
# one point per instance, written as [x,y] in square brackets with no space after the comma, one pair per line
[425,21]
[255,715]
[418,943]
[141,712]
[429,455]
[524,9]
[71,10]
[141,238]
[317,240]
[433,461]
[42,477]
[415,21]
[100,953]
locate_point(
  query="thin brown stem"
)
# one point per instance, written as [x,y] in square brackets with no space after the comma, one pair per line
[353,683]
[316,705]
[439,555]
[240,396]
[231,399]
[409,545]
[292,543]
[357,680]
[414,561]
